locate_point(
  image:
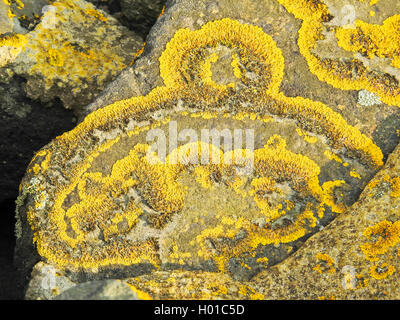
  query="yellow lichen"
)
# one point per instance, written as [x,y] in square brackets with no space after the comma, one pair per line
[138,54]
[384,235]
[59,56]
[373,40]
[15,40]
[380,272]
[395,183]
[379,40]
[141,294]
[95,197]
[184,285]
[355,174]
[231,33]
[95,13]
[326,264]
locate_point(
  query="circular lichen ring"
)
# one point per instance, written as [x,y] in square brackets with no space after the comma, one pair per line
[249,42]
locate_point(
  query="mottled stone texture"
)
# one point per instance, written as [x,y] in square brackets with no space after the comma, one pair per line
[98,210]
[66,50]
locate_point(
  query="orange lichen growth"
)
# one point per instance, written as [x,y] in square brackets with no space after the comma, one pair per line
[325,265]
[93,214]
[162,12]
[384,235]
[326,298]
[379,40]
[380,272]
[138,54]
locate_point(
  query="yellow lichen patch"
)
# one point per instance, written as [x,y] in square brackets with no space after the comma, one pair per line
[383,236]
[59,56]
[373,184]
[95,13]
[355,174]
[333,126]
[331,156]
[55,58]
[10,47]
[373,40]
[15,40]
[183,285]
[308,138]
[263,260]
[305,9]
[206,74]
[141,294]
[138,54]
[236,66]
[325,265]
[380,272]
[118,200]
[379,40]
[328,188]
[271,162]
[395,183]
[232,34]
[45,156]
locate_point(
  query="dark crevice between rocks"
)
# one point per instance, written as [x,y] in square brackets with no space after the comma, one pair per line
[137,15]
[25,127]
[386,135]
[9,288]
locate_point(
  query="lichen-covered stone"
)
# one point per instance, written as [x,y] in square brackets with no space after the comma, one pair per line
[354,257]
[181,285]
[361,246]
[97,202]
[137,15]
[46,282]
[99,290]
[68,52]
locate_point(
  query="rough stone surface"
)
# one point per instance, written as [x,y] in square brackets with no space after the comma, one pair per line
[327,266]
[31,89]
[26,126]
[356,275]
[46,282]
[288,229]
[99,290]
[67,50]
[137,15]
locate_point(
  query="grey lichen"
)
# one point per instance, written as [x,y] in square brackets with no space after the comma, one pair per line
[368,99]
